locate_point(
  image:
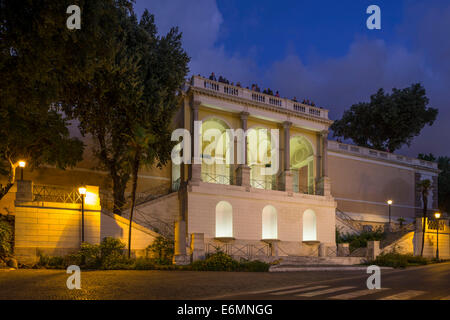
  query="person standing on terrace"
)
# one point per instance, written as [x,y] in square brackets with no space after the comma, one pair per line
[212,77]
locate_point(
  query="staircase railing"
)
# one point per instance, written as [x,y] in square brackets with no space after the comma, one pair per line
[348,221]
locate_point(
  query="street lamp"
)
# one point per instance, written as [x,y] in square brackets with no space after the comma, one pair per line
[389,202]
[22,165]
[82,191]
[437,215]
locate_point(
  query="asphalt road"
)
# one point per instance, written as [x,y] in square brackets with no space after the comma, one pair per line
[415,283]
[429,282]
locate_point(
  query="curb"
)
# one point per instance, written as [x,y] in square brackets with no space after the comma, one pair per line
[294,269]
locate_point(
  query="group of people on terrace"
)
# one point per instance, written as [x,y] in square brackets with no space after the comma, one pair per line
[256,88]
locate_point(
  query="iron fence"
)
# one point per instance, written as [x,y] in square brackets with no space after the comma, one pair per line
[243,250]
[216,178]
[61,194]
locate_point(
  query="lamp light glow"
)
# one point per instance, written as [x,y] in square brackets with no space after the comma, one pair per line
[437,215]
[389,202]
[22,164]
[82,190]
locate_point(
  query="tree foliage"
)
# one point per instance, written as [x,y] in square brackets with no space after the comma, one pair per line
[443,179]
[128,106]
[388,121]
[40,61]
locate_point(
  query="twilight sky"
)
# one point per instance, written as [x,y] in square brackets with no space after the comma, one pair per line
[321,50]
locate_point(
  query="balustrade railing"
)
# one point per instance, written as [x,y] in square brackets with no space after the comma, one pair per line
[261,184]
[241,250]
[60,194]
[334,145]
[259,97]
[215,178]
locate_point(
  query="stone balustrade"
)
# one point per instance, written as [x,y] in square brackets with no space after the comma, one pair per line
[337,146]
[226,89]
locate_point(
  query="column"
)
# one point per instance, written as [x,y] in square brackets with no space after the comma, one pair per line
[324,145]
[323,182]
[287,157]
[243,170]
[196,168]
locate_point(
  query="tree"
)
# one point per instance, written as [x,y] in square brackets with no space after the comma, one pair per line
[139,90]
[40,60]
[444,184]
[424,187]
[163,68]
[443,179]
[388,121]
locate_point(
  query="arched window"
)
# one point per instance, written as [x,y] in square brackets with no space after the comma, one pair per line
[309,226]
[269,223]
[216,152]
[302,165]
[224,220]
[259,158]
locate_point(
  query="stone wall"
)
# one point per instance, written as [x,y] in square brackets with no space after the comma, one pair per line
[54,228]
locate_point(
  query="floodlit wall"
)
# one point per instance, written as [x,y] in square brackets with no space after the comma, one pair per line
[361,184]
[54,228]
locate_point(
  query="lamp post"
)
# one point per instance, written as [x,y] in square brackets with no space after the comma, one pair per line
[82,191]
[22,165]
[389,202]
[437,215]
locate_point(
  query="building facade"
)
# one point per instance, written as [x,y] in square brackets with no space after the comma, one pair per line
[271,181]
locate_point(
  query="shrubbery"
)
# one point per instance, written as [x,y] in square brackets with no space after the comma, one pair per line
[6,235]
[222,262]
[359,240]
[397,260]
[161,250]
[108,255]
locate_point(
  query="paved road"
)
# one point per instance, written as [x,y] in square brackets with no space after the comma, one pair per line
[430,282]
[419,283]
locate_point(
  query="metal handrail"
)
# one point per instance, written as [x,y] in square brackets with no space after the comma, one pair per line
[215,178]
[60,194]
[261,184]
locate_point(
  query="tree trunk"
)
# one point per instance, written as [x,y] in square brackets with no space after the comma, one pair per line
[4,190]
[135,169]
[424,221]
[118,195]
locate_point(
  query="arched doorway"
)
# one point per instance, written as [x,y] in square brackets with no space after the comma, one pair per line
[216,152]
[259,148]
[302,165]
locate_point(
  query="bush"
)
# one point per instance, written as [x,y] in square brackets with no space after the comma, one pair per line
[360,240]
[107,255]
[397,260]
[255,266]
[222,262]
[6,236]
[161,250]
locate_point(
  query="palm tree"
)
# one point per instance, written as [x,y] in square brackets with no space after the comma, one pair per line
[140,153]
[424,187]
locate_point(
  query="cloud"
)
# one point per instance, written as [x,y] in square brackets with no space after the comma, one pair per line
[420,54]
[200,22]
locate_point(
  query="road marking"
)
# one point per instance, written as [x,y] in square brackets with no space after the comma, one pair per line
[321,292]
[298,290]
[404,295]
[277,289]
[356,294]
